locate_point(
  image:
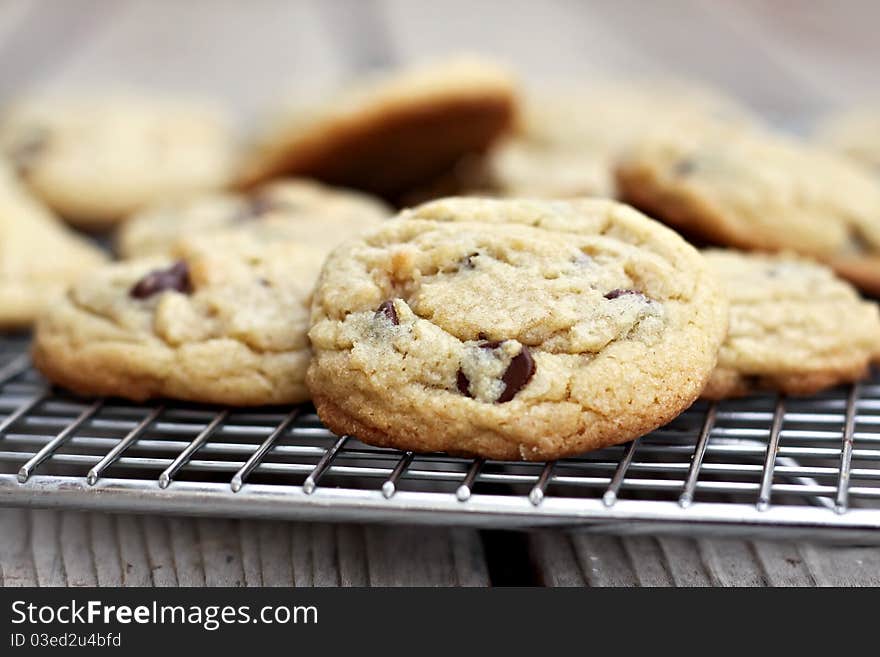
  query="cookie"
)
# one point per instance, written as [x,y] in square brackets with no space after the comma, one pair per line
[389,134]
[759,191]
[512,329]
[223,320]
[321,216]
[96,160]
[607,118]
[794,326]
[520,168]
[854,133]
[39,256]
[567,138]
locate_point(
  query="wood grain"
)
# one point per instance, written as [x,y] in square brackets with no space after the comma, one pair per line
[65,548]
[588,560]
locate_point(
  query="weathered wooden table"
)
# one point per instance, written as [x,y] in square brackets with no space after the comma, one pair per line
[788,60]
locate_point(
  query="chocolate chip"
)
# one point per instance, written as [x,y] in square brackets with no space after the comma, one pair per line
[25,153]
[859,242]
[619,293]
[387,309]
[255,207]
[468,261]
[518,374]
[461,381]
[494,344]
[685,167]
[176,277]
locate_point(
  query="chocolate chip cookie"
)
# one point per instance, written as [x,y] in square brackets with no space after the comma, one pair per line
[389,134]
[322,216]
[520,168]
[755,190]
[606,118]
[567,139]
[794,326]
[512,329]
[223,319]
[39,256]
[96,160]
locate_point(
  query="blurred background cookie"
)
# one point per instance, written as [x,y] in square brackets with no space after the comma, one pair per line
[39,256]
[387,133]
[95,159]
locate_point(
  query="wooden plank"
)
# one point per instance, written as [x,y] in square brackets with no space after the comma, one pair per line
[391,557]
[159,551]
[219,48]
[220,546]
[547,39]
[45,548]
[75,541]
[832,565]
[563,559]
[133,559]
[188,564]
[66,548]
[105,548]
[683,560]
[782,563]
[554,559]
[16,564]
[352,556]
[731,562]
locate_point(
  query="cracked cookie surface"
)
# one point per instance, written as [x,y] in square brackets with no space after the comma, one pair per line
[320,215]
[512,329]
[96,160]
[753,190]
[794,326]
[39,256]
[223,319]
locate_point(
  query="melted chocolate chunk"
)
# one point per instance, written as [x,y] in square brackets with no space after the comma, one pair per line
[619,293]
[515,378]
[387,309]
[518,374]
[685,167]
[462,383]
[176,277]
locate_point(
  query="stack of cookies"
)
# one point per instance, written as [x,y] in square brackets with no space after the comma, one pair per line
[440,261]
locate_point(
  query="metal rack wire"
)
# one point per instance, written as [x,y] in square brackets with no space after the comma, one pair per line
[761,465]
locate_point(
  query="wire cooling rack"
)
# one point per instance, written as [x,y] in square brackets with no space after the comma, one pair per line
[761,465]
